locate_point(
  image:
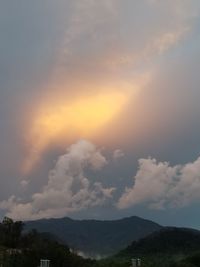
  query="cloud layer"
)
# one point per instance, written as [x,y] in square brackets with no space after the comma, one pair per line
[157,185]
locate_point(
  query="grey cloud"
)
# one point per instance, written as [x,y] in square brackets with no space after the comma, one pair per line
[117,38]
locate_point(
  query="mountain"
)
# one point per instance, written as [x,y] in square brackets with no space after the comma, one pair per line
[168,247]
[93,237]
[170,240]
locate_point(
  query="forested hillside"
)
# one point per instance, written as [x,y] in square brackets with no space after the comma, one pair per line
[26,250]
[169,247]
[93,237]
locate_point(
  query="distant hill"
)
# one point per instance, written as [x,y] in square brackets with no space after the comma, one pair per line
[170,240]
[93,237]
[168,247]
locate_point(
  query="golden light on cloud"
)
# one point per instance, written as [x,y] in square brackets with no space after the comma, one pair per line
[81,117]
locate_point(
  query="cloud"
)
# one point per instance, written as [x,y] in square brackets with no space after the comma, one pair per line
[82,48]
[85,116]
[68,189]
[159,185]
[112,40]
[166,40]
[112,46]
[24,183]
[118,153]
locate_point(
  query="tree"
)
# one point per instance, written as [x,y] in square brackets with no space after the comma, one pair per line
[11,232]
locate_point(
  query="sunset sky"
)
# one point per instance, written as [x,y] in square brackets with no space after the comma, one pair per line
[99,109]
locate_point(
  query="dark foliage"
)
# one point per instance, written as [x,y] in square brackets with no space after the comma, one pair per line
[169,247]
[17,249]
[169,240]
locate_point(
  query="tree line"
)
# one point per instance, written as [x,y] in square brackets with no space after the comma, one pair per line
[20,249]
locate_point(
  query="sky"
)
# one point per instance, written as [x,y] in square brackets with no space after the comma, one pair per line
[99,110]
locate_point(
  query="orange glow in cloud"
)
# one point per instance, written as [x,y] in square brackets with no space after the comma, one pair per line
[81,117]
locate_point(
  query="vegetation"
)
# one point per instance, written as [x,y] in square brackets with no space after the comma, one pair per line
[93,237]
[18,249]
[169,240]
[168,247]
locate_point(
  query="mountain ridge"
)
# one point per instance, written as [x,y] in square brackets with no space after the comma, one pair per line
[96,237]
[167,247]
[167,239]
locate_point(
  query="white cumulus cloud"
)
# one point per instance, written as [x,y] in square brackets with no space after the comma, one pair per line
[68,189]
[160,186]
